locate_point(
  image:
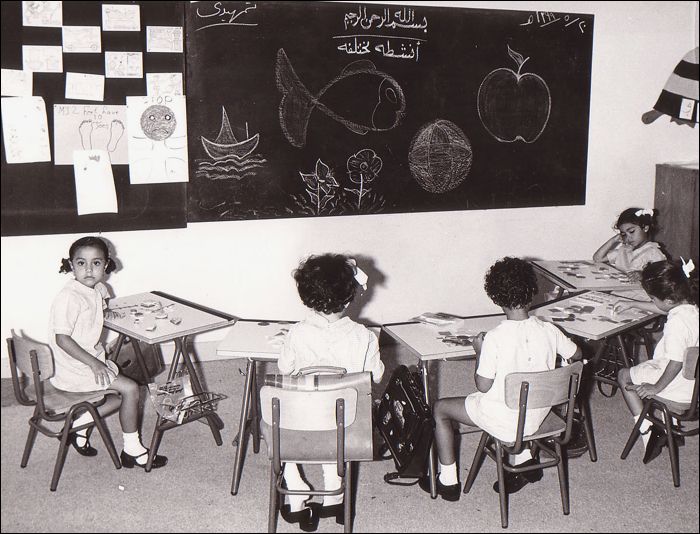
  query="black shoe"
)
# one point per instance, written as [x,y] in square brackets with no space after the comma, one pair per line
[85,450]
[307,517]
[449,493]
[335,510]
[514,483]
[657,441]
[129,461]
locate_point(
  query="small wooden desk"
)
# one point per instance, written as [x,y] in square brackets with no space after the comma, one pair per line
[182,318]
[257,341]
[581,275]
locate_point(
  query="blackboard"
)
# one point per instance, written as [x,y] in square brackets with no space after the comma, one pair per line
[40,198]
[369,108]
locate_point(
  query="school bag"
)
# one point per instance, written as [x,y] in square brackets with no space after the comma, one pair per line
[406,423]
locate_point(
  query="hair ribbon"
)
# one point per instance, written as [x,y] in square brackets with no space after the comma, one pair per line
[360,276]
[688,267]
[645,211]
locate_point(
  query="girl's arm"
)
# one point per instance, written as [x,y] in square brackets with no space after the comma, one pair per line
[621,306]
[483,384]
[103,374]
[602,252]
[649,390]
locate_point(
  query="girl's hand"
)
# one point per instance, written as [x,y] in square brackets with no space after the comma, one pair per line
[621,306]
[113,315]
[644,390]
[634,276]
[103,374]
[478,341]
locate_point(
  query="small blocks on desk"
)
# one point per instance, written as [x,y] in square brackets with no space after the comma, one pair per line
[176,320]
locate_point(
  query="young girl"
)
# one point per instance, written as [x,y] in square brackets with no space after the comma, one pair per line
[673,289]
[326,285]
[74,334]
[631,249]
[519,344]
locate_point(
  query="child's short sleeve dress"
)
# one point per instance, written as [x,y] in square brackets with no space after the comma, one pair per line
[625,258]
[77,311]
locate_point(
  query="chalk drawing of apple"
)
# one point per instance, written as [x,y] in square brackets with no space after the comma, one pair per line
[513,106]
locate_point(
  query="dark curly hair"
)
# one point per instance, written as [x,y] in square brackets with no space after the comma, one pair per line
[666,280]
[630,216]
[511,283]
[326,283]
[89,241]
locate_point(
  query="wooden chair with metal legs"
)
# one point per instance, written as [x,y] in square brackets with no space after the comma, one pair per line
[525,391]
[54,409]
[673,416]
[316,420]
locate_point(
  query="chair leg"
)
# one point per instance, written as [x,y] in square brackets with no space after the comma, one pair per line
[476,463]
[634,435]
[563,479]
[274,502]
[29,445]
[587,427]
[107,439]
[60,459]
[502,495]
[672,450]
[348,498]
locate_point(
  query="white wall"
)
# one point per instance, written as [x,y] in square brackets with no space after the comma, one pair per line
[429,261]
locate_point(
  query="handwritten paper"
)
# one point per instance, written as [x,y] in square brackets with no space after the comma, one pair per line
[88,127]
[42,58]
[82,39]
[164,39]
[94,182]
[48,14]
[16,82]
[123,64]
[80,86]
[25,130]
[157,127]
[163,83]
[121,18]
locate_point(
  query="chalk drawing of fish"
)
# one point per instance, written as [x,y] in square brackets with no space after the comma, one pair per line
[298,102]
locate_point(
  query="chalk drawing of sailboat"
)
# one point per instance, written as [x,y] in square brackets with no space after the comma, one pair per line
[226,144]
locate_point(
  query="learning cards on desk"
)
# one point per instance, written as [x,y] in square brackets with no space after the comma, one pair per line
[583,274]
[438,319]
[591,315]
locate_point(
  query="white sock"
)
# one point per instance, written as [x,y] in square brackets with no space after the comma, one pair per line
[448,474]
[331,481]
[133,446]
[643,429]
[521,458]
[81,438]
[293,480]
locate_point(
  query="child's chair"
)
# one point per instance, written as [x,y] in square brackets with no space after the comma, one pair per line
[51,405]
[674,414]
[314,419]
[524,391]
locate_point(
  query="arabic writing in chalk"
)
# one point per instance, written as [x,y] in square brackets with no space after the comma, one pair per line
[546,18]
[402,18]
[387,46]
[226,17]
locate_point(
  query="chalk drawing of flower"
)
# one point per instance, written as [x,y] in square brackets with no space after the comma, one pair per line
[321,187]
[363,168]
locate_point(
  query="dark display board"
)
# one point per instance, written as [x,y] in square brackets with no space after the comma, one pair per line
[40,198]
[317,108]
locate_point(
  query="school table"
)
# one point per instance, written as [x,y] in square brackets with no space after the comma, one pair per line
[156,317]
[257,341]
[580,275]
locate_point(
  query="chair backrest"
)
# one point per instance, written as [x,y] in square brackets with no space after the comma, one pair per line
[690,362]
[22,348]
[545,388]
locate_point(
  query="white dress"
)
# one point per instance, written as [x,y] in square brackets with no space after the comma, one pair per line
[680,332]
[625,258]
[525,346]
[77,311]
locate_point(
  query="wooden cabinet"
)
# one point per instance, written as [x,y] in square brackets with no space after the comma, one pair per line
[676,198]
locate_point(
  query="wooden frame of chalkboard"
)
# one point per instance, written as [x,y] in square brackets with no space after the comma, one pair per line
[327,108]
[40,198]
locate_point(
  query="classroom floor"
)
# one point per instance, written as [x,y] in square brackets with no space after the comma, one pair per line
[192,493]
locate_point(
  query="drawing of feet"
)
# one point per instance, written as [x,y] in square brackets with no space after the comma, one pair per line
[116,131]
[85,129]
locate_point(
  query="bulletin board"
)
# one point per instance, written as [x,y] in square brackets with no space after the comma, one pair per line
[302,109]
[40,197]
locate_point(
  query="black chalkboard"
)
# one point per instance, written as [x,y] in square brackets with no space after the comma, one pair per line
[346,108]
[39,198]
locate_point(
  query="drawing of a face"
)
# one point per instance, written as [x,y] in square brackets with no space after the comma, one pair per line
[158,122]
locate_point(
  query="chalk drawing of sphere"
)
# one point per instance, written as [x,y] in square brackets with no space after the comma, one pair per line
[440,156]
[158,122]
